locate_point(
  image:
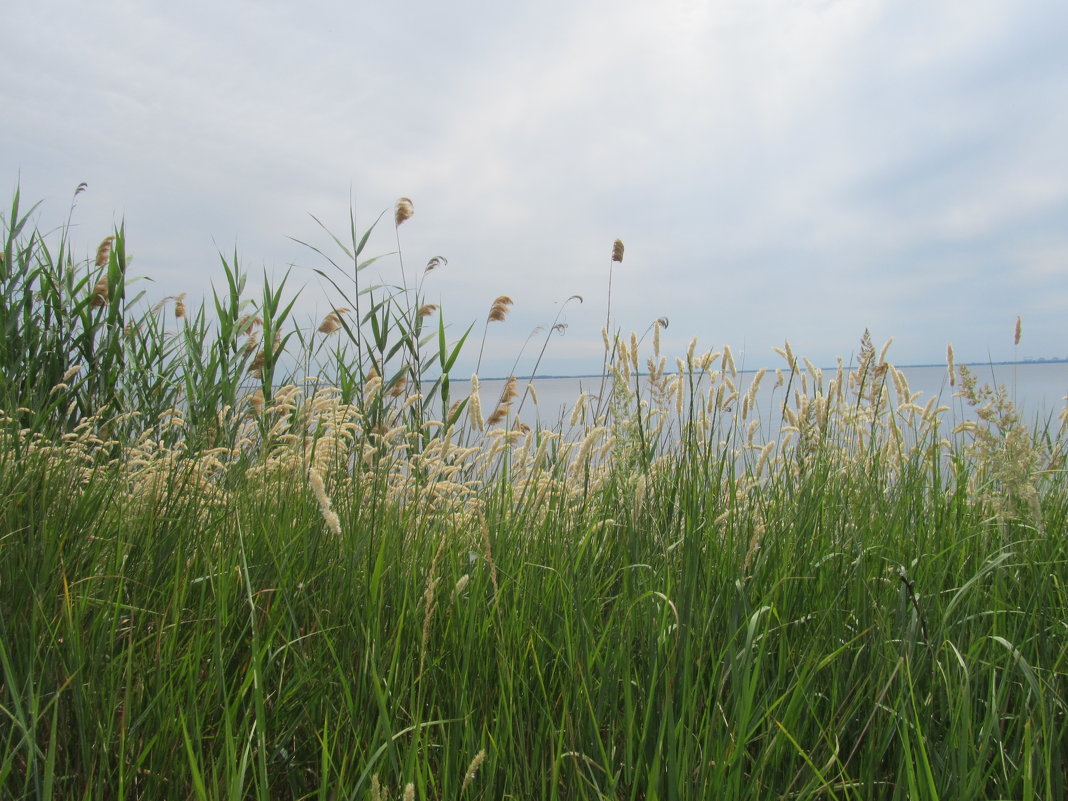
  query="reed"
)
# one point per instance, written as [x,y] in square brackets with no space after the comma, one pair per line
[273,587]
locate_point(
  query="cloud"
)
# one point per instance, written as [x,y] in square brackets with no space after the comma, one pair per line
[775,170]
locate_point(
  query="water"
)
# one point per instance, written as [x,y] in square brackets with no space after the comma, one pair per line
[1037,389]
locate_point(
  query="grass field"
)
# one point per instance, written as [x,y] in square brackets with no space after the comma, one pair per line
[220,580]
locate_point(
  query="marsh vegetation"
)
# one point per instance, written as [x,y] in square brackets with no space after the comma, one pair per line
[242,559]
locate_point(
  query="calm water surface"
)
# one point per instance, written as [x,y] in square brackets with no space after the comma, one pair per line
[1037,389]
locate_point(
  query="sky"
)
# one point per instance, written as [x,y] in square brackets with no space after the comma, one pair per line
[796,170]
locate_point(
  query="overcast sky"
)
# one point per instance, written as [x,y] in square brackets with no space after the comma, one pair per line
[777,169]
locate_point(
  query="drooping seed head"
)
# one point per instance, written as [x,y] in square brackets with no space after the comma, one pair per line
[499,310]
[404,210]
[1016,338]
[330,324]
[427,309]
[99,296]
[257,364]
[103,252]
[508,394]
[332,321]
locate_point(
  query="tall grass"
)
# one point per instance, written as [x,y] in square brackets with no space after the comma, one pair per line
[339,590]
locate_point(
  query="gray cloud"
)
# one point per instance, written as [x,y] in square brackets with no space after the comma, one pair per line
[776,170]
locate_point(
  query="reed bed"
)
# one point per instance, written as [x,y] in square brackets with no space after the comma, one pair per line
[244,559]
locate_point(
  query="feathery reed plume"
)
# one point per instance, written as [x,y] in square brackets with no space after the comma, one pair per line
[99,296]
[332,321]
[409,792]
[472,769]
[434,263]
[427,309]
[404,210]
[179,306]
[1016,338]
[508,394]
[252,342]
[256,366]
[497,314]
[950,366]
[103,252]
[617,250]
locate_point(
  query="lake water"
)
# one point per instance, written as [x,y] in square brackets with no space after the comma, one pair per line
[1037,389]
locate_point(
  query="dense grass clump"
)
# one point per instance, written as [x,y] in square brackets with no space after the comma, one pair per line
[219,580]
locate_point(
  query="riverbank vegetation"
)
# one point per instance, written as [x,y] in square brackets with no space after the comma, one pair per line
[240,559]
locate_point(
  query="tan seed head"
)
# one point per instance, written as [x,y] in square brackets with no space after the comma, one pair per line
[332,321]
[103,252]
[99,296]
[404,210]
[499,310]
